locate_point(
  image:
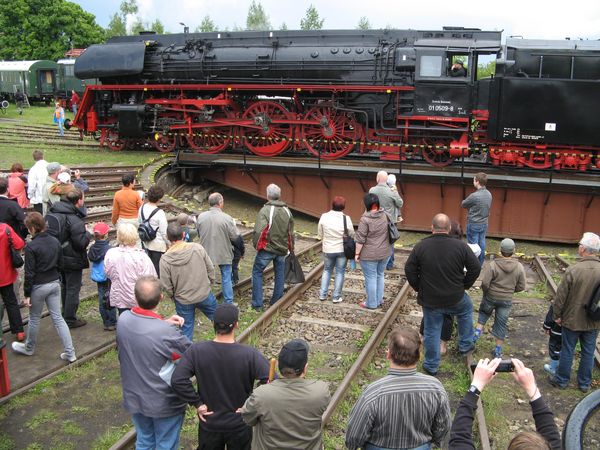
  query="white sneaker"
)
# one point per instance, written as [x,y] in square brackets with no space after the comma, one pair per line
[71,359]
[338,300]
[19,347]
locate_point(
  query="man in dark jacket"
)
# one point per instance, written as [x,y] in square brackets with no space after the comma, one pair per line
[10,211]
[439,269]
[65,222]
[273,232]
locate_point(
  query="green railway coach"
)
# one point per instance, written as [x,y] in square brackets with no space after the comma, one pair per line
[37,79]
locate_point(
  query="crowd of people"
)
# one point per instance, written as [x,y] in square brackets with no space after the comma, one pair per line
[404,410]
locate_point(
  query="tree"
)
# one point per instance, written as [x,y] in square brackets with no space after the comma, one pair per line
[257,18]
[157,26]
[364,24]
[206,26]
[116,26]
[44,29]
[283,27]
[311,21]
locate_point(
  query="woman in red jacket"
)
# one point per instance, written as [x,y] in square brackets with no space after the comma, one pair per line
[17,185]
[8,275]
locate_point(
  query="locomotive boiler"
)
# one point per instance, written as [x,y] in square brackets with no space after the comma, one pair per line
[391,94]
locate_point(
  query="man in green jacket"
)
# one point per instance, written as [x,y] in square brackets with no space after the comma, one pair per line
[287,412]
[273,238]
[573,294]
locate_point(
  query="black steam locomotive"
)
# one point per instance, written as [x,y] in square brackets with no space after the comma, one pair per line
[406,94]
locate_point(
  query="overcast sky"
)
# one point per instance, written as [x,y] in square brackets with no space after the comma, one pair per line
[550,19]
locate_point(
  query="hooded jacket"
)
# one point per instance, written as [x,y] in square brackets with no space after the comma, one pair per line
[372,232]
[502,278]
[186,272]
[282,226]
[76,239]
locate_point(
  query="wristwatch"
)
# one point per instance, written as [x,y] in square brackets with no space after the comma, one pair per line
[473,389]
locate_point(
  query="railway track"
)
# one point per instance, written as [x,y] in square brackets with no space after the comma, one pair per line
[343,337]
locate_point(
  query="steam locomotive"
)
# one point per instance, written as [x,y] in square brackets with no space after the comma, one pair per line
[392,94]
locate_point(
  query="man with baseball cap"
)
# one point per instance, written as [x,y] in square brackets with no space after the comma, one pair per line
[574,292]
[225,374]
[502,277]
[276,424]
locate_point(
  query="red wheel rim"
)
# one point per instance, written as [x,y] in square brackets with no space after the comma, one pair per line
[211,140]
[165,143]
[335,135]
[436,154]
[268,138]
[114,142]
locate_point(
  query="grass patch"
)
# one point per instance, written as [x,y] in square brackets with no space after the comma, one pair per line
[110,436]
[72,429]
[6,442]
[41,418]
[538,290]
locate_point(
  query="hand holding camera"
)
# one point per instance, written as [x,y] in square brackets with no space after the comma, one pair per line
[485,370]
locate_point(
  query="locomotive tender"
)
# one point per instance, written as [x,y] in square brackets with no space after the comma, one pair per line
[391,93]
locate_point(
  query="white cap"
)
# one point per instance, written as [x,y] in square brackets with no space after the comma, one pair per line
[391,180]
[64,177]
[591,241]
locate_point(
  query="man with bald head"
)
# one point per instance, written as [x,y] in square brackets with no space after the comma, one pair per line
[439,269]
[390,201]
[217,230]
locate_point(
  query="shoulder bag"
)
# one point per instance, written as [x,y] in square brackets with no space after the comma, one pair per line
[349,243]
[15,255]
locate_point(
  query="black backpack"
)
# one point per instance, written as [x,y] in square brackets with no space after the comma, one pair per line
[593,306]
[145,231]
[57,226]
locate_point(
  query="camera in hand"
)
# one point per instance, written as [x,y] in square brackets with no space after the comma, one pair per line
[506,365]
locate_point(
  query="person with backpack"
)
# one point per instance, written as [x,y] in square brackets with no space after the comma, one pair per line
[96,255]
[66,223]
[576,289]
[153,226]
[43,257]
[273,234]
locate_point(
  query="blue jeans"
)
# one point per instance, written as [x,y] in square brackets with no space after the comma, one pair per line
[587,340]
[188,312]
[262,260]
[370,446]
[390,263]
[502,308]
[331,260]
[434,318]
[109,315]
[226,283]
[157,433]
[374,276]
[61,130]
[476,235]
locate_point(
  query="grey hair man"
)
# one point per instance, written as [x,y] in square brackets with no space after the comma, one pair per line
[276,425]
[574,293]
[48,198]
[390,201]
[273,238]
[217,230]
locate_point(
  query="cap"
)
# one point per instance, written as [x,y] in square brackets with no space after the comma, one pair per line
[507,245]
[52,167]
[226,315]
[294,355]
[101,228]
[591,241]
[64,177]
[391,179]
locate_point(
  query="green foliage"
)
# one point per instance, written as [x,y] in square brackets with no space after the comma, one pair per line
[207,25]
[283,27]
[44,29]
[486,70]
[116,26]
[257,18]
[118,22]
[311,21]
[363,24]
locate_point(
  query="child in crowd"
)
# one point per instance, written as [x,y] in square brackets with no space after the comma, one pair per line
[96,255]
[554,331]
[501,279]
[185,221]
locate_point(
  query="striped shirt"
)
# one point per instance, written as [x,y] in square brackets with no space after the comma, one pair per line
[404,409]
[479,204]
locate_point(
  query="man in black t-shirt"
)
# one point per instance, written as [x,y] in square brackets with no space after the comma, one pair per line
[225,374]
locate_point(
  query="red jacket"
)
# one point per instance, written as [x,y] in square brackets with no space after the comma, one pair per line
[8,274]
[75,99]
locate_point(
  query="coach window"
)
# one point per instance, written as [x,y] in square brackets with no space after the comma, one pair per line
[431,66]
